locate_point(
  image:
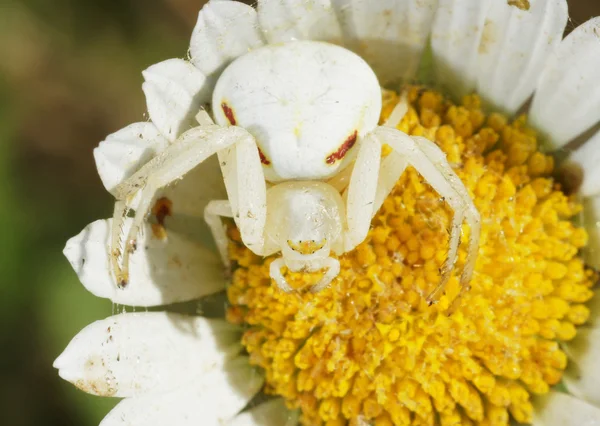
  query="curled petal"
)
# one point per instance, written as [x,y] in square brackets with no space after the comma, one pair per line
[122,153]
[287,20]
[389,34]
[224,31]
[162,270]
[211,399]
[515,47]
[583,373]
[585,160]
[567,98]
[129,355]
[455,40]
[175,91]
[271,413]
[561,409]
[591,216]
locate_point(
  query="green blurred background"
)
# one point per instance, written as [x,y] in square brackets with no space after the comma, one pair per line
[70,74]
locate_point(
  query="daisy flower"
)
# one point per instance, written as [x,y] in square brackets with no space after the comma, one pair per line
[522,345]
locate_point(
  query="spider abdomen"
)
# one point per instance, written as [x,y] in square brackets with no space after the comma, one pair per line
[307,104]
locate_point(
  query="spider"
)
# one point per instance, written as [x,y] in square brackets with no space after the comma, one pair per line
[300,151]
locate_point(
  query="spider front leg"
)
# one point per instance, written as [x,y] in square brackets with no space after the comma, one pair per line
[213,212]
[191,149]
[431,163]
[119,214]
[247,193]
[371,182]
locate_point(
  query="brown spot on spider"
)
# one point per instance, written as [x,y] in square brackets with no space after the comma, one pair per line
[343,149]
[132,246]
[263,158]
[521,4]
[122,280]
[229,113]
[162,208]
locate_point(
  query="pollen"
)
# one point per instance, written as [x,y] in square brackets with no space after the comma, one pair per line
[369,350]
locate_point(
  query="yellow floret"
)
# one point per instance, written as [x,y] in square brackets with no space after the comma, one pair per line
[369,349]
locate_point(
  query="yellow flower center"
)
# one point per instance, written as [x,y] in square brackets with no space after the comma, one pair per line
[370,351]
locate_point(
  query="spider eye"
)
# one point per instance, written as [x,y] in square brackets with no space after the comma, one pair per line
[343,149]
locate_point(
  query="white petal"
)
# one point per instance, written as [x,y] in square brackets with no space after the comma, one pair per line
[287,20]
[271,413]
[124,152]
[190,196]
[455,39]
[515,46]
[175,91]
[586,159]
[133,354]
[560,409]
[209,400]
[567,99]
[389,34]
[594,307]
[591,216]
[224,31]
[582,376]
[161,271]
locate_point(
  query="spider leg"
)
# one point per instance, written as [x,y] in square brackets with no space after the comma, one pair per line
[203,118]
[391,169]
[253,190]
[247,192]
[471,214]
[341,180]
[213,211]
[371,181]
[361,192]
[275,272]
[191,149]
[119,214]
[431,163]
[398,112]
[333,269]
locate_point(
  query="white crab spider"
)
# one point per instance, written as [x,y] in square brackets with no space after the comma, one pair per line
[297,115]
